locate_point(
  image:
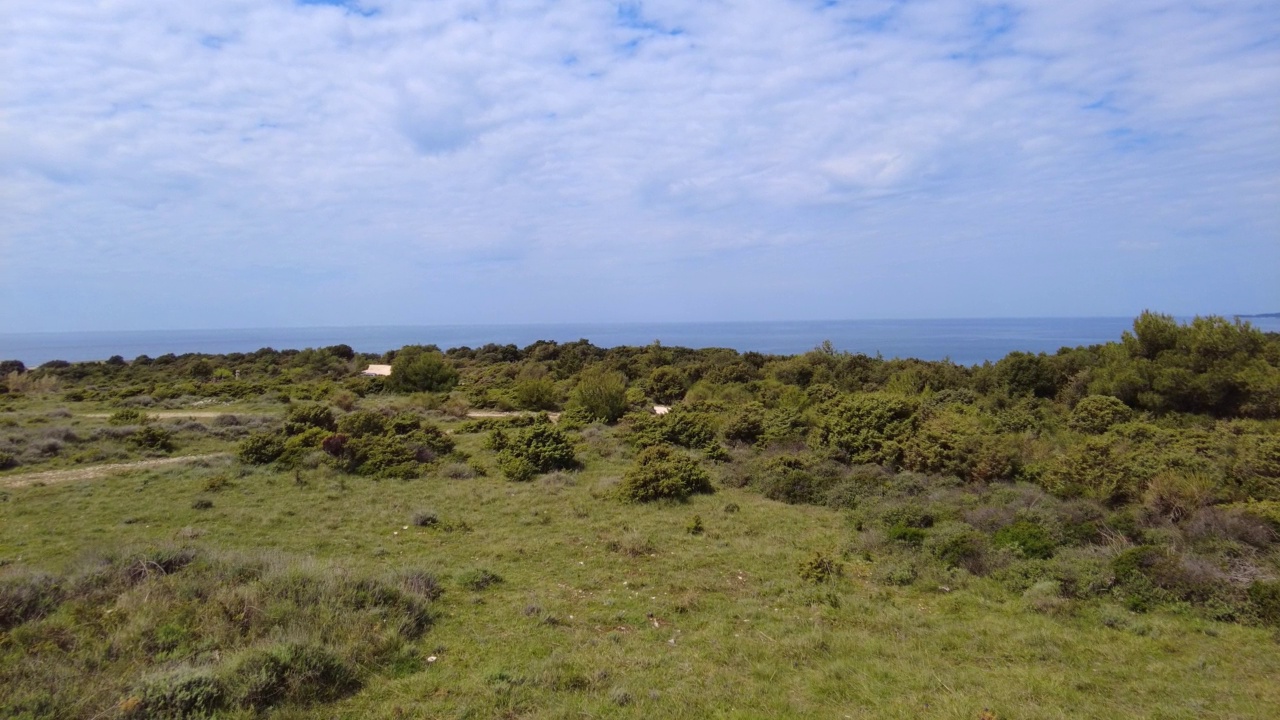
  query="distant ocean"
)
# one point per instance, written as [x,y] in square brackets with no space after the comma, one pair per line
[967,342]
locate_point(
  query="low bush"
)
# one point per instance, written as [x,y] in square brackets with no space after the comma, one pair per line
[289,673]
[1027,539]
[152,437]
[128,416]
[478,579]
[661,472]
[532,451]
[820,568]
[261,448]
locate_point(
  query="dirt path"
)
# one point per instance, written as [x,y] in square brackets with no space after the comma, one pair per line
[167,414]
[94,472]
[555,416]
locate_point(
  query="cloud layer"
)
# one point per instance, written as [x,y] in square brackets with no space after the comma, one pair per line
[234,163]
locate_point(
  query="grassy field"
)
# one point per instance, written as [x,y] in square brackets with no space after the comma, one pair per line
[559,600]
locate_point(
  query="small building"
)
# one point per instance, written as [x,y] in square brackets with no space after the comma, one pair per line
[377,371]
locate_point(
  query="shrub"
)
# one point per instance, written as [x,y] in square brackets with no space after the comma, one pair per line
[260,448]
[416,369]
[602,394]
[534,391]
[1027,539]
[793,479]
[302,417]
[958,545]
[128,416]
[383,456]
[27,596]
[290,673]
[534,450]
[516,468]
[425,518]
[695,526]
[152,437]
[8,461]
[663,473]
[1178,495]
[906,534]
[1097,414]
[181,693]
[1265,598]
[361,423]
[478,579]
[746,425]
[867,429]
[820,568]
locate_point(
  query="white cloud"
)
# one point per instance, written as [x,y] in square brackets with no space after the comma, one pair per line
[168,137]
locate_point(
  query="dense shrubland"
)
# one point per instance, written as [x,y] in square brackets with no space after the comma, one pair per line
[1143,473]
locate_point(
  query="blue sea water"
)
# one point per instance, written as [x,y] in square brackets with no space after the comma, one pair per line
[967,342]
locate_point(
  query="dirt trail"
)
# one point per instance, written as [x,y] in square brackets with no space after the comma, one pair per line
[167,414]
[94,472]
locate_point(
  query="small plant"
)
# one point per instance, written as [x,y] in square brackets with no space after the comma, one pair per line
[202,504]
[420,582]
[425,518]
[478,579]
[731,508]
[695,526]
[8,461]
[820,568]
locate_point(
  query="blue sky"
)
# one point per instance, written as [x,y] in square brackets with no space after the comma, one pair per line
[249,163]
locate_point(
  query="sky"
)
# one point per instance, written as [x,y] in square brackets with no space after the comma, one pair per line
[275,163]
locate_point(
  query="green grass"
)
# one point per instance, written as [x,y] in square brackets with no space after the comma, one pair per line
[607,609]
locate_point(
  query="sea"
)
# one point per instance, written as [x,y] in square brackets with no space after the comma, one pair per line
[966,342]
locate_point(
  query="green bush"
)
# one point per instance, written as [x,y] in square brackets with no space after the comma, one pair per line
[867,428]
[746,426]
[152,437]
[906,534]
[182,693]
[820,568]
[958,545]
[661,472]
[666,385]
[361,423]
[128,416]
[261,448]
[383,456]
[1264,595]
[289,673]
[516,468]
[1097,414]
[8,461]
[416,369]
[301,418]
[1027,539]
[792,479]
[534,450]
[601,394]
